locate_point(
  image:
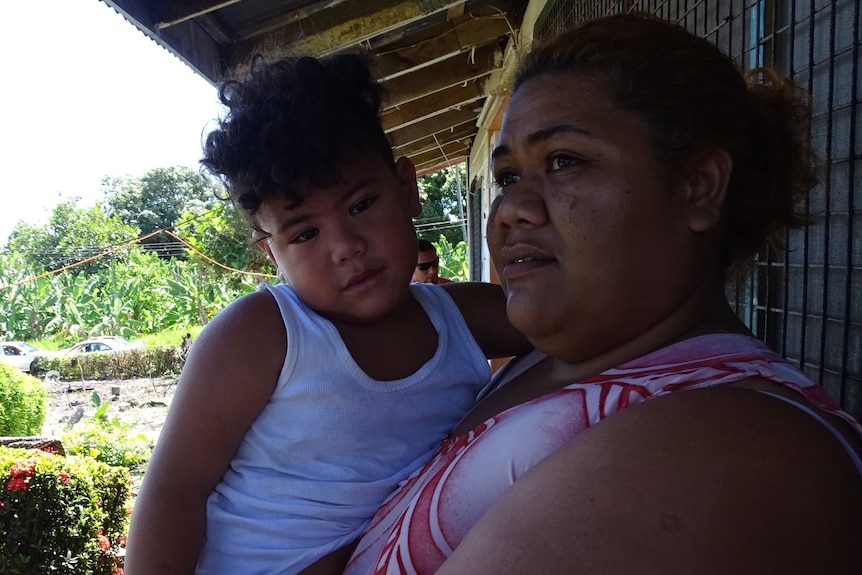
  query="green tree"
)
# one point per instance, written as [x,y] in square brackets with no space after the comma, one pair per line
[443,207]
[71,235]
[157,200]
[221,234]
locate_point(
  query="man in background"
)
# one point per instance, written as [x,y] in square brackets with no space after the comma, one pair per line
[428,265]
[186,345]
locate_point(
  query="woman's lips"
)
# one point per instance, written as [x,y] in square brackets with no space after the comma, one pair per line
[524,266]
[523,259]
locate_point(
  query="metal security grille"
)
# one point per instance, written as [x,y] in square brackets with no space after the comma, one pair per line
[806,302]
[475,243]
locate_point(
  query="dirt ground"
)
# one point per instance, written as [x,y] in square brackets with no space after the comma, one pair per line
[143,402]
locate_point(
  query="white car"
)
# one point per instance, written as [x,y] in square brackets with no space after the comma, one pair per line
[103,343]
[20,354]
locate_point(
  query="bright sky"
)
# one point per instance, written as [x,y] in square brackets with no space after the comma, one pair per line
[86,95]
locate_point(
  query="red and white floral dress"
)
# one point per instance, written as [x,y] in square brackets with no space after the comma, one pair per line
[423,521]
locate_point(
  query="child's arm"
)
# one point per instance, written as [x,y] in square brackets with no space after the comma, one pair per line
[225,384]
[483,306]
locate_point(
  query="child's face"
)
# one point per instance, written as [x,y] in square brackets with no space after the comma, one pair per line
[349,250]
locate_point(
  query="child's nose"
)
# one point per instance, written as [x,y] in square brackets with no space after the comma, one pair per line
[347,244]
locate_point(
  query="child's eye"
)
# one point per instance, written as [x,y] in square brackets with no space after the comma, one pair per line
[505,178]
[362,205]
[261,237]
[562,161]
[305,236]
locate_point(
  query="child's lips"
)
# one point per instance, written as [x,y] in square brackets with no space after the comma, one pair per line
[359,280]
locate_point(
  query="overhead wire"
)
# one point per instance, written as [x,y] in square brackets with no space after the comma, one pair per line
[125,245]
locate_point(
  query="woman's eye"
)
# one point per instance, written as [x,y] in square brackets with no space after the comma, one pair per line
[506,178]
[305,236]
[362,205]
[561,162]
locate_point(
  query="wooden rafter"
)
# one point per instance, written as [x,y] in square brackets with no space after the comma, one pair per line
[454,71]
[435,124]
[172,12]
[452,39]
[350,24]
[463,133]
[432,105]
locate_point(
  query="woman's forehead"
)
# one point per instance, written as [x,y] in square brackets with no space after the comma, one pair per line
[561,104]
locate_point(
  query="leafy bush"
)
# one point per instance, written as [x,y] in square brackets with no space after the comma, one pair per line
[61,514]
[110,441]
[147,362]
[23,401]
[454,262]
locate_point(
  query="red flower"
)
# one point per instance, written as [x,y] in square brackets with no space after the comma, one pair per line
[22,468]
[17,484]
[121,540]
[64,477]
[103,542]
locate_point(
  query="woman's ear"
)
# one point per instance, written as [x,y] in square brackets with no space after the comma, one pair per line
[405,171]
[706,189]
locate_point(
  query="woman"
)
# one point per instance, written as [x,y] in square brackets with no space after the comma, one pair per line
[650,433]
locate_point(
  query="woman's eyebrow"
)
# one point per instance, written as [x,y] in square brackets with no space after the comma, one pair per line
[542,135]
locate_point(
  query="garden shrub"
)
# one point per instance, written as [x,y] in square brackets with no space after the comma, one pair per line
[60,514]
[108,440]
[148,362]
[23,402]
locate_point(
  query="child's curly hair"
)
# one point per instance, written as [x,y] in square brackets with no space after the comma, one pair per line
[292,121]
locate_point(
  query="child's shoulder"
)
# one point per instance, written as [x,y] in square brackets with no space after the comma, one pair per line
[254,308]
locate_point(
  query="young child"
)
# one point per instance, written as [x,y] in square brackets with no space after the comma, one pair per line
[306,403]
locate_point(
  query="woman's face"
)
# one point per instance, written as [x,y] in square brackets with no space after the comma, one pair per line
[589,233]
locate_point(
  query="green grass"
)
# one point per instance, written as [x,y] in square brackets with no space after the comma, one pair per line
[172,337]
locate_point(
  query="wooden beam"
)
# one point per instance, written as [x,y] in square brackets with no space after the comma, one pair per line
[438,164]
[452,72]
[432,105]
[455,11]
[286,17]
[174,12]
[214,29]
[453,39]
[333,29]
[445,121]
[450,150]
[463,133]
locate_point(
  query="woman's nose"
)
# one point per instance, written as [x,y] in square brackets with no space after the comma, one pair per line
[518,207]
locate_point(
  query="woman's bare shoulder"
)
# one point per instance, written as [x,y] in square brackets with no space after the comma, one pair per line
[708,481]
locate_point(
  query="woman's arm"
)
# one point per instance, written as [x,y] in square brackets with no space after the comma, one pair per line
[711,481]
[483,306]
[228,378]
